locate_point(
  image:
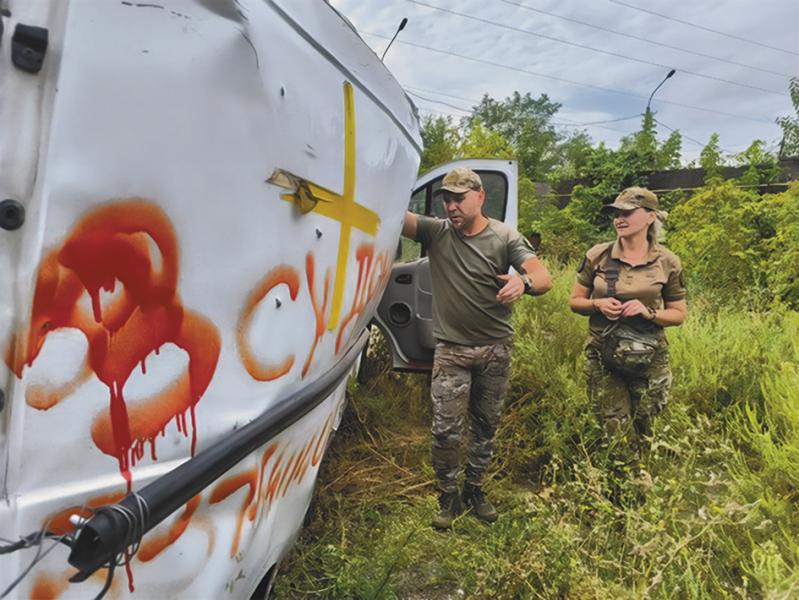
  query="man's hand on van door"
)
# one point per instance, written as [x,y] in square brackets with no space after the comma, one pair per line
[512,290]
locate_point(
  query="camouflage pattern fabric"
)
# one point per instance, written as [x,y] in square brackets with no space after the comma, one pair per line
[626,350]
[473,380]
[626,404]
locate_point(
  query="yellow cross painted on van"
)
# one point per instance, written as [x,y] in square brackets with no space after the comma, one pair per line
[311,197]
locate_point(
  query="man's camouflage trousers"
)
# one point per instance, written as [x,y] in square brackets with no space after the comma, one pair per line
[473,380]
[625,405]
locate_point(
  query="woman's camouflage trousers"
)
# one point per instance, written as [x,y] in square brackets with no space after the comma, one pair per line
[626,404]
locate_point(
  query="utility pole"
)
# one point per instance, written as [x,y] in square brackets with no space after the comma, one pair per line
[670,73]
[402,25]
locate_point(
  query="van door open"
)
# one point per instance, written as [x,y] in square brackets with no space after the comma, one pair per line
[405,314]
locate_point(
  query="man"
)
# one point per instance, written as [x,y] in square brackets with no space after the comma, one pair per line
[470,255]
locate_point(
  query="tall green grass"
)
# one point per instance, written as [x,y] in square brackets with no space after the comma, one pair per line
[721,483]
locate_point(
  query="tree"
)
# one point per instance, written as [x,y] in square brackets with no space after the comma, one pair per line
[711,160]
[525,122]
[762,165]
[441,139]
[642,146]
[574,153]
[480,142]
[642,153]
[789,146]
[582,222]
[670,152]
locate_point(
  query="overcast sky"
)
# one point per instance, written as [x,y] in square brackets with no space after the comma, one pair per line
[738,96]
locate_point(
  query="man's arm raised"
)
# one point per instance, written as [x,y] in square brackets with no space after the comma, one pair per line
[409,225]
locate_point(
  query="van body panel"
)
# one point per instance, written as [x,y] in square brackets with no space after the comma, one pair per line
[213,192]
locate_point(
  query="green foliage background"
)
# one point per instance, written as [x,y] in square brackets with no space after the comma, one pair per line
[719,521]
[721,484]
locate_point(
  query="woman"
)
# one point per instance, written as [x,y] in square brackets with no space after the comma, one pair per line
[630,289]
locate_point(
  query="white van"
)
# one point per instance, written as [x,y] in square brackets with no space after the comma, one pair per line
[200,205]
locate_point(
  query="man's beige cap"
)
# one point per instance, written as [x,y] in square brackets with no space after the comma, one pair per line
[632,198]
[460,180]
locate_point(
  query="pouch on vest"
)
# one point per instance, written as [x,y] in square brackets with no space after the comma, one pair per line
[628,350]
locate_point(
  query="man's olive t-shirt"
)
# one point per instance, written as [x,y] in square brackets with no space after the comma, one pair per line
[464,270]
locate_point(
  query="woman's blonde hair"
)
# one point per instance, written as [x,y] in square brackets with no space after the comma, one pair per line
[655,231]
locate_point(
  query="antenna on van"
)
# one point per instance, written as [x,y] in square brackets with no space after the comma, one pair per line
[402,25]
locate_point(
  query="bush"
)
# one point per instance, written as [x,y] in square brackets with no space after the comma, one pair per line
[566,233]
[782,271]
[564,237]
[738,247]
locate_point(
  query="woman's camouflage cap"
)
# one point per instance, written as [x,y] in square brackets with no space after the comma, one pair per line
[632,198]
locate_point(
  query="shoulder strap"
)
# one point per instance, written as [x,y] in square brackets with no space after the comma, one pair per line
[611,270]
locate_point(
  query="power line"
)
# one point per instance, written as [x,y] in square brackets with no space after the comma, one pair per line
[636,116]
[592,49]
[622,131]
[598,124]
[703,28]
[431,111]
[561,79]
[436,112]
[646,40]
[466,110]
[726,150]
[443,114]
[690,139]
[570,123]
[436,92]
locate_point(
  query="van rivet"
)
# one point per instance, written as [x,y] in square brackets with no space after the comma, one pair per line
[12,214]
[318,233]
[278,303]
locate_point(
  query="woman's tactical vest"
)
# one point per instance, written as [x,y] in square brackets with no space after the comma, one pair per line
[628,345]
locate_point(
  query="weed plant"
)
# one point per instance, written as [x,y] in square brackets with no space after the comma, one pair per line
[713,513]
